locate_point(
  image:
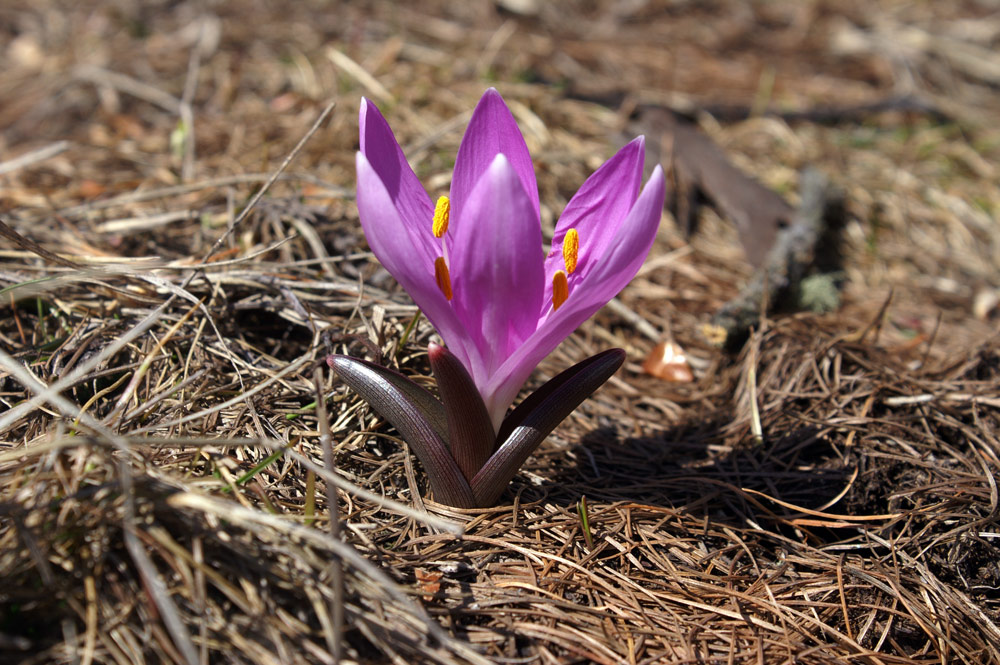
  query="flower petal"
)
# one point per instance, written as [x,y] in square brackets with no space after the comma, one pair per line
[608,275]
[380,148]
[597,211]
[496,269]
[408,255]
[491,131]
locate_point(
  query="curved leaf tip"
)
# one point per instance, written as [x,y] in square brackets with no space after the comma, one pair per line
[417,415]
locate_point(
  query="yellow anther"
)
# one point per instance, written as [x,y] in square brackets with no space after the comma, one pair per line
[442,276]
[442,212]
[571,247]
[560,289]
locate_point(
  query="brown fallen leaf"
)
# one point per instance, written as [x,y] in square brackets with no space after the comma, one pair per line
[702,172]
[667,362]
[429,582]
[90,189]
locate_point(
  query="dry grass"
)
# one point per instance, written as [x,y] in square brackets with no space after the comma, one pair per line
[165,477]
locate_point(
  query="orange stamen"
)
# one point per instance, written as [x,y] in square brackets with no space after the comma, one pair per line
[560,289]
[442,277]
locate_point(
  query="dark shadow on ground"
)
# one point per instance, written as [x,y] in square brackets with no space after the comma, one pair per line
[683,469]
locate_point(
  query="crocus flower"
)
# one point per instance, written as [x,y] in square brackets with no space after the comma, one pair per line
[474,263]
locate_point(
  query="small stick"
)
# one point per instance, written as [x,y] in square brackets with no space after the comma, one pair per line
[335,640]
[789,260]
[33,157]
[271,180]
[186,110]
[127,84]
[642,325]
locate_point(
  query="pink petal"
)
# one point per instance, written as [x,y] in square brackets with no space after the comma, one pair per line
[496,267]
[608,275]
[408,256]
[491,131]
[380,148]
[597,211]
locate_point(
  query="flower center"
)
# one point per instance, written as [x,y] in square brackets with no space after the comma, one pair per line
[442,276]
[560,283]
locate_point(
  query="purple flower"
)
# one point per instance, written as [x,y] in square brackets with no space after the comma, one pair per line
[498,301]
[474,264]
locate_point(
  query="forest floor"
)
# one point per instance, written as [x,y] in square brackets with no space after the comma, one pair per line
[823,492]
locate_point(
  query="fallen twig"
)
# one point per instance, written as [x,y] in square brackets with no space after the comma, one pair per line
[808,240]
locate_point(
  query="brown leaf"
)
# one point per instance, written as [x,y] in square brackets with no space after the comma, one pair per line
[667,361]
[429,582]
